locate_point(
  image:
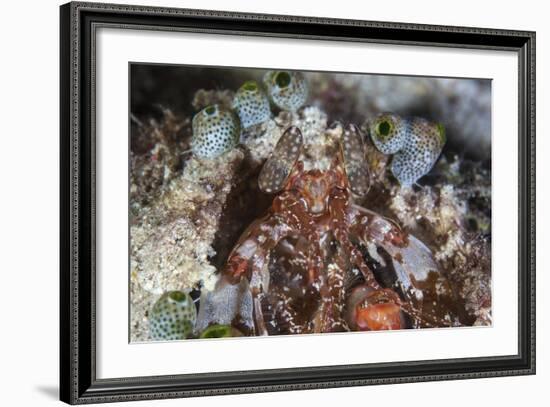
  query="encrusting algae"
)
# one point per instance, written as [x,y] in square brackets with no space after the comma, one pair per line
[196,185]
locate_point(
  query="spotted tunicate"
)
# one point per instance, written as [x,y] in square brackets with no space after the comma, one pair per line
[422,148]
[216,130]
[172,317]
[288,90]
[416,144]
[251,104]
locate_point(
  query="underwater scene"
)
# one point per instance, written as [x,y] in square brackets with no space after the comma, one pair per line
[269,202]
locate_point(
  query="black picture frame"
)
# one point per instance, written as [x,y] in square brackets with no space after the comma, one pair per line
[78,382]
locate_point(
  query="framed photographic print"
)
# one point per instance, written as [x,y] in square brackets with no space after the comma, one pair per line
[259,203]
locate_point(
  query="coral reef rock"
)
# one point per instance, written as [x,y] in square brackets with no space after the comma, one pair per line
[172,231]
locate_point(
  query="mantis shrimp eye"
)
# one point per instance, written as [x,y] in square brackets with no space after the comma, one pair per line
[251,104]
[172,317]
[388,133]
[279,165]
[215,131]
[288,90]
[425,141]
[355,165]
